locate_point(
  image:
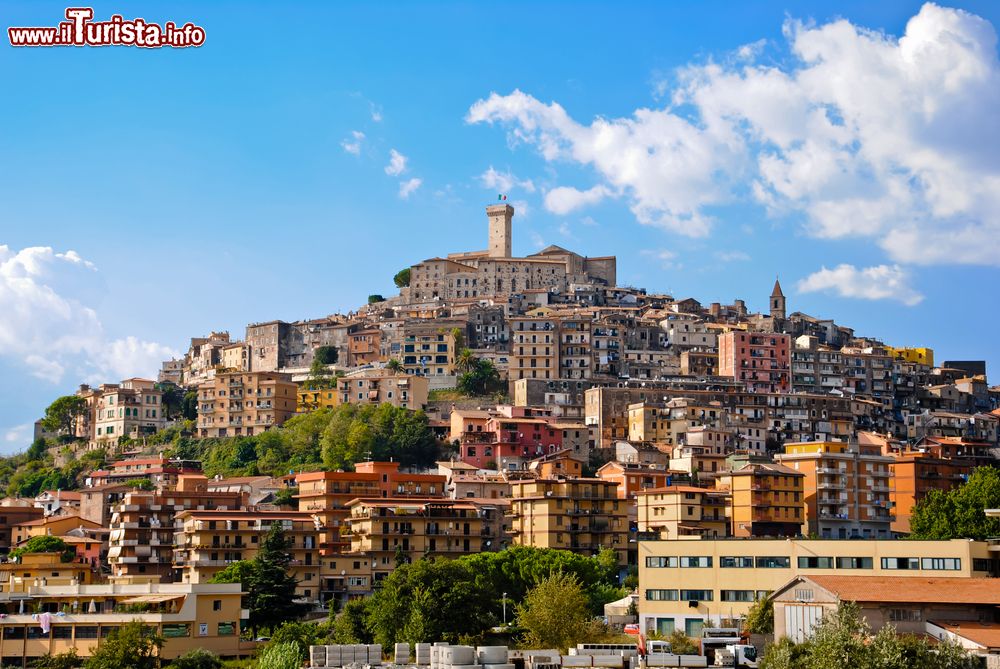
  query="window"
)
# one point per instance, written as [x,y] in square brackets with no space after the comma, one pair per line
[696,561]
[696,595]
[812,562]
[62,632]
[661,595]
[854,563]
[735,562]
[773,562]
[900,563]
[905,615]
[86,632]
[804,595]
[656,562]
[216,604]
[226,629]
[978,564]
[941,564]
[13,632]
[176,630]
[738,596]
[35,632]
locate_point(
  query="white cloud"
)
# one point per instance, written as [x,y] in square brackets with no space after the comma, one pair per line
[376,112]
[353,144]
[732,256]
[504,182]
[882,282]
[19,435]
[521,208]
[536,240]
[858,134]
[588,221]
[665,258]
[48,327]
[397,163]
[408,187]
[566,231]
[564,199]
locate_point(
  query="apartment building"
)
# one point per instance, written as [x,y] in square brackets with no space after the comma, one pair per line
[767,500]
[534,348]
[384,529]
[206,541]
[187,616]
[382,386]
[311,399]
[132,408]
[11,517]
[634,478]
[158,470]
[364,347]
[429,348]
[679,511]
[43,569]
[685,584]
[327,495]
[580,515]
[576,358]
[244,403]
[699,363]
[141,542]
[760,360]
[913,475]
[846,488]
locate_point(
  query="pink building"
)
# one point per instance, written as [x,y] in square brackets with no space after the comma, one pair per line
[759,359]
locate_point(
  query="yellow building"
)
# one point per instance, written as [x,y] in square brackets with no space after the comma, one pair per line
[767,500]
[579,515]
[534,348]
[846,488]
[187,616]
[429,348]
[683,511]
[685,584]
[307,400]
[40,569]
[437,527]
[920,355]
[51,526]
[244,403]
[207,541]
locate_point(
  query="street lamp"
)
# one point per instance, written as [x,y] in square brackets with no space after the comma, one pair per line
[505,609]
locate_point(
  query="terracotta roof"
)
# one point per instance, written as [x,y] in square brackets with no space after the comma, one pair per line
[909,589]
[984,634]
[676,488]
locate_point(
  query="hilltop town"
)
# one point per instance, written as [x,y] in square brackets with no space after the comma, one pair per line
[717,456]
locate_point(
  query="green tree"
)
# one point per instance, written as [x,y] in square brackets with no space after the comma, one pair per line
[173,399]
[465,361]
[458,339]
[320,377]
[375,298]
[350,625]
[189,406]
[302,635]
[286,497]
[271,588]
[327,355]
[280,656]
[45,544]
[67,660]
[555,613]
[682,644]
[402,278]
[394,365]
[959,513]
[61,414]
[760,617]
[481,379]
[197,658]
[131,646]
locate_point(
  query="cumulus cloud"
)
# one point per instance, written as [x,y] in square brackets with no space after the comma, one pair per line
[667,259]
[397,163]
[882,282]
[858,134]
[564,199]
[376,112]
[408,187]
[48,327]
[732,256]
[353,144]
[504,181]
[18,435]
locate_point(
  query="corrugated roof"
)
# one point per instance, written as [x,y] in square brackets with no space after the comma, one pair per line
[910,589]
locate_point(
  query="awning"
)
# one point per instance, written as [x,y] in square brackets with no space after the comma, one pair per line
[151,599]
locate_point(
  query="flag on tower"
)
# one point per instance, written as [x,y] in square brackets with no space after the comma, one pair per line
[501,197]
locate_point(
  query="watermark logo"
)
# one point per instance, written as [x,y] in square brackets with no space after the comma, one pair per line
[81,30]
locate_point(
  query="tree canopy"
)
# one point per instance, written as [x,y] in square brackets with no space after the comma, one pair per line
[402,278]
[270,587]
[959,513]
[45,544]
[480,376]
[131,646]
[60,415]
[375,298]
[554,614]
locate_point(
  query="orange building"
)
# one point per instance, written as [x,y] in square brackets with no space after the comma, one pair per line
[766,500]
[244,403]
[914,474]
[363,347]
[846,488]
[633,478]
[680,511]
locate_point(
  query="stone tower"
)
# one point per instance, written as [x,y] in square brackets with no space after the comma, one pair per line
[500,216]
[777,302]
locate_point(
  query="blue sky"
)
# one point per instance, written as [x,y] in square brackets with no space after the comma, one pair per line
[710,146]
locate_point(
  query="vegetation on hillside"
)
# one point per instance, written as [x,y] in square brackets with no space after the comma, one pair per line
[959,513]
